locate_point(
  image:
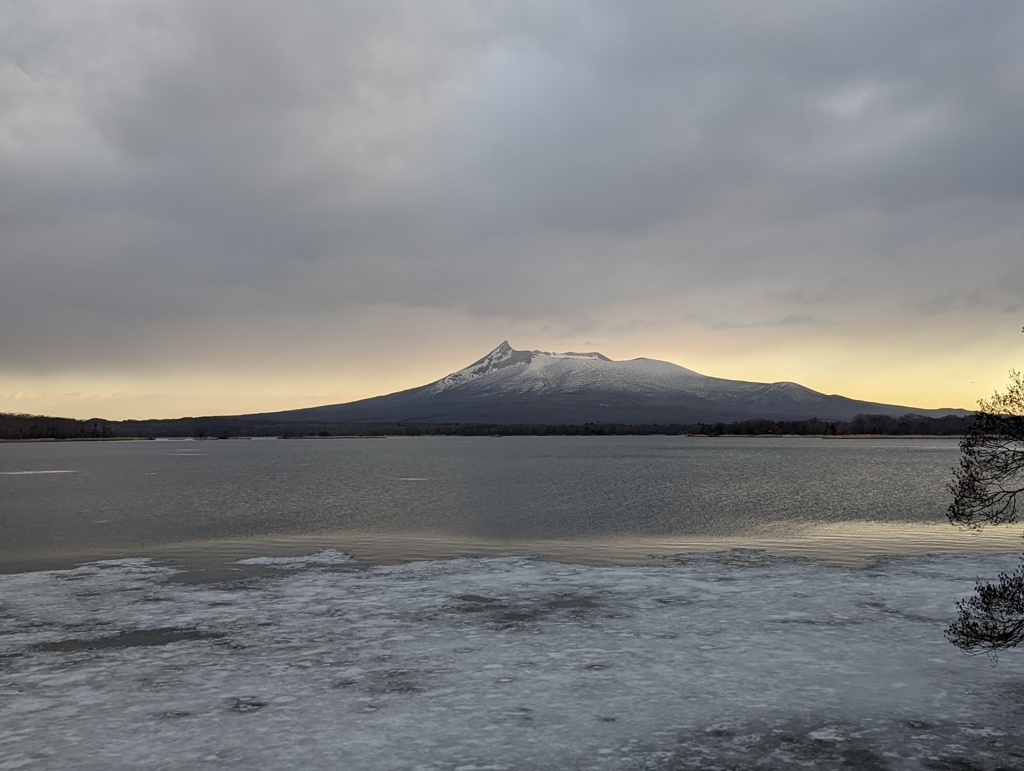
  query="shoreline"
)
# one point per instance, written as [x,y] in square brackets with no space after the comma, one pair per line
[51,440]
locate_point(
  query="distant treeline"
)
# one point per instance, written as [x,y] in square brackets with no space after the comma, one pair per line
[41,427]
[26,427]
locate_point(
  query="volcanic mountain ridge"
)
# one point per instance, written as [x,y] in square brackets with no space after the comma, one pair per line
[509,386]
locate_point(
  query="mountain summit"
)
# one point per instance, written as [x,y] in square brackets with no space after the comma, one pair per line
[511,386]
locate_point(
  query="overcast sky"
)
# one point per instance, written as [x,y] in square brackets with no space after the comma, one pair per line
[223,207]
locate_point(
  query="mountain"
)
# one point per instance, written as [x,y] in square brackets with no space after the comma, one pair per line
[510,386]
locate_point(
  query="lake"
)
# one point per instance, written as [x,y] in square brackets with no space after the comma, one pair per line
[583,499]
[515,603]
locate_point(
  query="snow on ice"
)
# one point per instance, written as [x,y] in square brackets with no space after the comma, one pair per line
[733,660]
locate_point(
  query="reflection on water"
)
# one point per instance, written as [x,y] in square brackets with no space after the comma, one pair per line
[600,499]
[852,544]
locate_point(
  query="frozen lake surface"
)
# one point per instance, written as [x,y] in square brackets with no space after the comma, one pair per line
[739,603]
[730,660]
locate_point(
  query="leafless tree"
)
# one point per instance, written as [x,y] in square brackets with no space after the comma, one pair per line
[985,489]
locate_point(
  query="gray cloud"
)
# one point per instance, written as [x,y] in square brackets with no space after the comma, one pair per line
[162,162]
[792,320]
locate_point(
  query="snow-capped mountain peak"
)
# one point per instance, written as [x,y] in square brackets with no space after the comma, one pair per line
[501,357]
[504,357]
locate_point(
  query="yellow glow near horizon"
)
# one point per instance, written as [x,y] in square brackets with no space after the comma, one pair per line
[929,380]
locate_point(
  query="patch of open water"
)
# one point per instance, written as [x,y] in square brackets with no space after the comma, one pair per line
[579,499]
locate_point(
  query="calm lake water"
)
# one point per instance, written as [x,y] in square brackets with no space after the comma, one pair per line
[582,499]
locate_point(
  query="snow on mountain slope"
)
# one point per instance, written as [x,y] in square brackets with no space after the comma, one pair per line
[507,370]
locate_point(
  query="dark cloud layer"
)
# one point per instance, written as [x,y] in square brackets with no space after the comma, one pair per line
[162,162]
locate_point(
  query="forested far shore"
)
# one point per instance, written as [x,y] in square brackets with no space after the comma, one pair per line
[14,427]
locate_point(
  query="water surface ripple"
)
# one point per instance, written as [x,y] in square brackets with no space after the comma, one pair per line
[583,499]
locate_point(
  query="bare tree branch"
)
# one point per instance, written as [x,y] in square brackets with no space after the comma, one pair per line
[985,490]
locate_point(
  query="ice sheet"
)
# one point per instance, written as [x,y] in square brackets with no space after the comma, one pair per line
[714,661]
[325,557]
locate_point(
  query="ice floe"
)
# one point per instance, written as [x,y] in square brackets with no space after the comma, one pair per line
[325,557]
[732,660]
